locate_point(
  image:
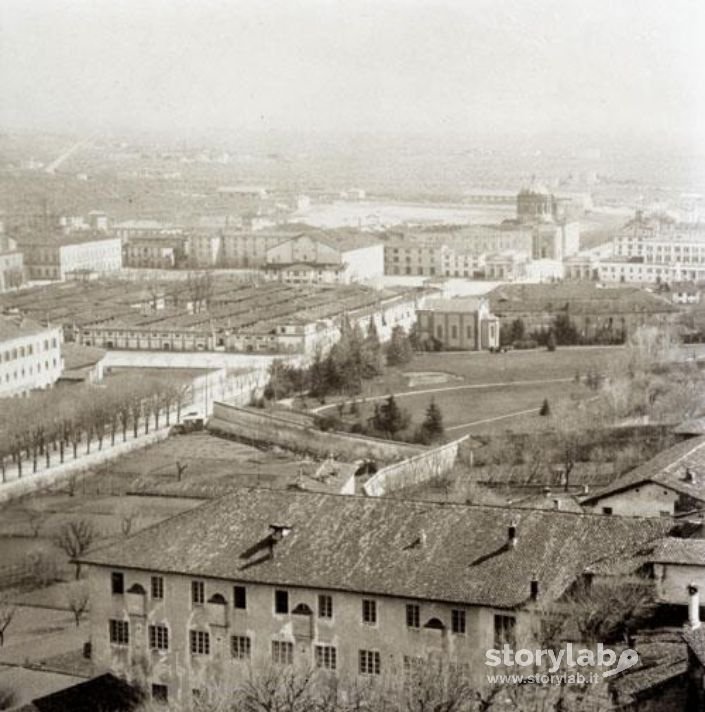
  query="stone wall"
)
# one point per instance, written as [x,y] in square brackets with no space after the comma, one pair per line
[414,470]
[261,427]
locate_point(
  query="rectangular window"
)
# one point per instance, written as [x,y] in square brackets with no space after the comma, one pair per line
[326,657]
[198,593]
[240,597]
[157,588]
[325,606]
[200,642]
[119,632]
[413,615]
[504,630]
[282,652]
[369,662]
[281,601]
[458,621]
[413,664]
[158,637]
[454,331]
[369,611]
[160,693]
[117,583]
[240,646]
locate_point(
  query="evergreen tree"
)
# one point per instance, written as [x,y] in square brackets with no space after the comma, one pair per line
[372,360]
[432,426]
[551,341]
[399,351]
[545,408]
[389,417]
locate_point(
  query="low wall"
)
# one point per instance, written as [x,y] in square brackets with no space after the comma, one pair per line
[55,475]
[414,470]
[261,427]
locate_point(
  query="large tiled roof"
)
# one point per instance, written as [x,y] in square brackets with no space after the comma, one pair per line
[575,298]
[695,639]
[14,327]
[459,304]
[673,550]
[668,469]
[381,546]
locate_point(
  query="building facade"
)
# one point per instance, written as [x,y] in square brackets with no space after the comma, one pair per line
[60,257]
[12,273]
[266,577]
[155,252]
[30,356]
[465,324]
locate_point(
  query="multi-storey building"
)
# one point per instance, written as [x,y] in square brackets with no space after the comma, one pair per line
[248,248]
[11,264]
[463,323]
[204,249]
[164,252]
[30,355]
[58,257]
[319,257]
[352,586]
[656,249]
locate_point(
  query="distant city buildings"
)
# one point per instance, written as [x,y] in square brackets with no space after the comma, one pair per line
[325,258]
[12,272]
[58,257]
[30,355]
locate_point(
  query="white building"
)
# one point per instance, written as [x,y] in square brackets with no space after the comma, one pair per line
[30,355]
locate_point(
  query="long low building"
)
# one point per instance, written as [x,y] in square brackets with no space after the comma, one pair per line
[345,584]
[592,310]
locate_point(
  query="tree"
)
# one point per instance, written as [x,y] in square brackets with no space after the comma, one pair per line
[74,538]
[517,330]
[389,418]
[432,427]
[7,613]
[372,357]
[128,513]
[35,518]
[77,600]
[545,408]
[564,330]
[551,341]
[399,350]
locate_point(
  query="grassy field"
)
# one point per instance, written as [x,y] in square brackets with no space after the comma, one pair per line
[484,392]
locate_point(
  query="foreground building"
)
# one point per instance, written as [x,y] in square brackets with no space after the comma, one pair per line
[349,585]
[30,355]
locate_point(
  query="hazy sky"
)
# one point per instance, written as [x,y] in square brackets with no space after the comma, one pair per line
[473,66]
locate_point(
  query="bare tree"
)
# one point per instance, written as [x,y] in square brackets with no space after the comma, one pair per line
[74,539]
[77,600]
[128,514]
[7,613]
[35,518]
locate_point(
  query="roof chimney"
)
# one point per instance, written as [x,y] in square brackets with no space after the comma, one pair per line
[512,535]
[586,489]
[534,588]
[556,503]
[689,475]
[693,606]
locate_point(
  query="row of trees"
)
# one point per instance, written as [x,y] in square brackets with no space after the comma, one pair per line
[48,424]
[562,331]
[357,356]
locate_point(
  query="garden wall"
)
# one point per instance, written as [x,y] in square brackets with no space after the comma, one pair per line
[261,427]
[414,470]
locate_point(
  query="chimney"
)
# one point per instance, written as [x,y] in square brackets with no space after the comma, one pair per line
[586,489]
[556,503]
[534,588]
[512,535]
[693,606]
[689,475]
[547,491]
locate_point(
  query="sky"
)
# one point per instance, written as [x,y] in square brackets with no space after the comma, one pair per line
[473,67]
